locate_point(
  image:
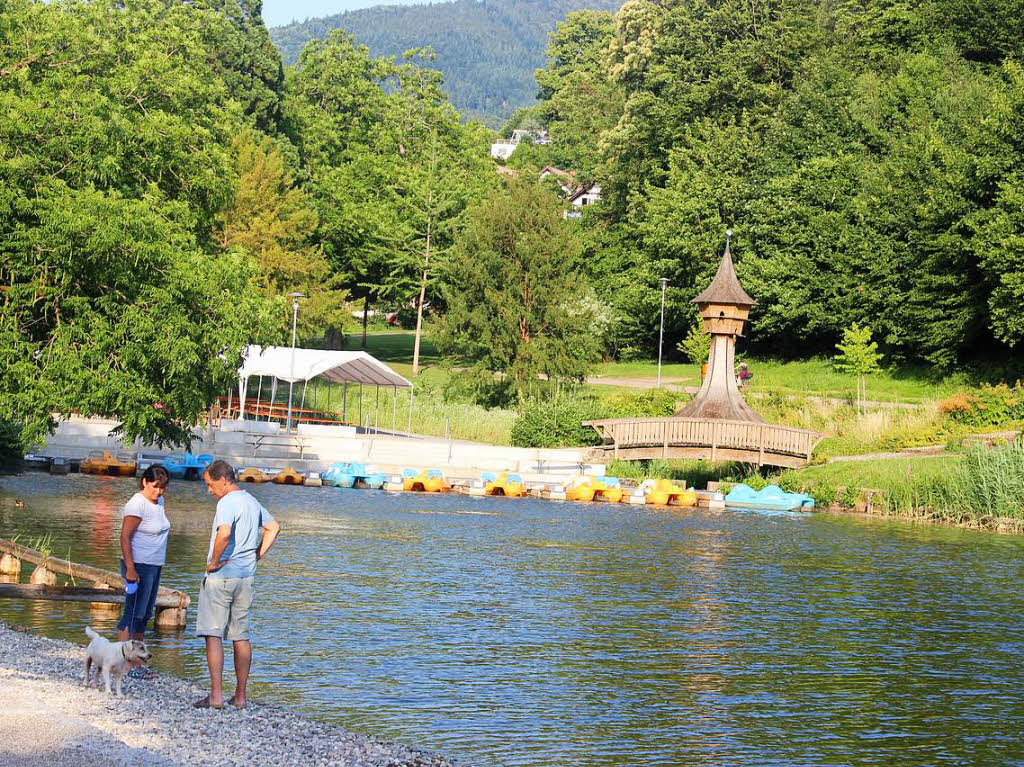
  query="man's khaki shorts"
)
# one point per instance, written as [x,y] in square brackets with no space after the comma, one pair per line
[224,608]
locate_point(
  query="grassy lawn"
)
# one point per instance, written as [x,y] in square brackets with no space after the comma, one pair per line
[677,372]
[811,377]
[877,474]
[815,377]
[393,346]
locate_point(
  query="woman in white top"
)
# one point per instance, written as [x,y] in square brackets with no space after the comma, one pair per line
[144,530]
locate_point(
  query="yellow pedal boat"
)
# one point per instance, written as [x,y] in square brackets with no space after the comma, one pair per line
[287,476]
[510,485]
[106,463]
[252,474]
[594,489]
[662,492]
[431,481]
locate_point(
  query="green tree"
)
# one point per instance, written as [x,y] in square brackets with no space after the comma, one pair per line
[115,160]
[514,290]
[859,356]
[338,114]
[581,101]
[696,345]
[272,219]
[246,60]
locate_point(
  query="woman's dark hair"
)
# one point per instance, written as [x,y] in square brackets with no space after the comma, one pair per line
[155,474]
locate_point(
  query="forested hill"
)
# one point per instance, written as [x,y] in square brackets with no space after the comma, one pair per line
[488,50]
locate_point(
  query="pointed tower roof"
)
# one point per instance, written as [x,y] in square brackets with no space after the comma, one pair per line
[725,288]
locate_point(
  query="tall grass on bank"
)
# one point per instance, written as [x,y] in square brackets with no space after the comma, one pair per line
[431,415]
[983,482]
[986,482]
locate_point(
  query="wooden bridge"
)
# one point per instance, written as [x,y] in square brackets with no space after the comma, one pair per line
[631,439]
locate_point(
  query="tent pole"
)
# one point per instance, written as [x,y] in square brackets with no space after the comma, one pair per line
[259,391]
[230,392]
[329,387]
[273,399]
[412,396]
[360,403]
[394,407]
[376,409]
[302,402]
[344,402]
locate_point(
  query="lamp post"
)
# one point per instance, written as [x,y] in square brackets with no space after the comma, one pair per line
[291,382]
[661,327]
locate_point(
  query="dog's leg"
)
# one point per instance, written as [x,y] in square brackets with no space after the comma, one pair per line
[106,678]
[117,681]
[88,667]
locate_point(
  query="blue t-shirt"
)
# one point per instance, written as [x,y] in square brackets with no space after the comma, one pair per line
[246,516]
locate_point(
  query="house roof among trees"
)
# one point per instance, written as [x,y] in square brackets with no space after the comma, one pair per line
[725,288]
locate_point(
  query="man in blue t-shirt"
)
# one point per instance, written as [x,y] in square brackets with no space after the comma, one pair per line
[243,532]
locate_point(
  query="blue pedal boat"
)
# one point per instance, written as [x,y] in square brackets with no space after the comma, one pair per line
[186,465]
[771,497]
[346,474]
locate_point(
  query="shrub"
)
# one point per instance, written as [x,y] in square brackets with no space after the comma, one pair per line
[407,317]
[696,347]
[11,446]
[556,423]
[985,406]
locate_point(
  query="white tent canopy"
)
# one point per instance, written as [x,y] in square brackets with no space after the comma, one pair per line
[278,363]
[356,367]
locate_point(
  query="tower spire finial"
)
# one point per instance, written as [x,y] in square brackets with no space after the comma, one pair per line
[728,237]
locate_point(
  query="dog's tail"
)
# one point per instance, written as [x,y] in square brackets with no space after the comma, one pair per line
[90,633]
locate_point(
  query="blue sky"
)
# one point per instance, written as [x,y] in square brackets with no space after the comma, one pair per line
[278,12]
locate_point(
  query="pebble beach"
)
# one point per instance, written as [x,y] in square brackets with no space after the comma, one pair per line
[50,718]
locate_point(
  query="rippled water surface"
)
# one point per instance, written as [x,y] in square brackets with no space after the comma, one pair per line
[522,632]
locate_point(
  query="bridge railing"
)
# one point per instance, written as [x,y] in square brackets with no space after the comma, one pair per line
[764,438]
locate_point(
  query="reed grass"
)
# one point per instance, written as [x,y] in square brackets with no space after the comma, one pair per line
[982,482]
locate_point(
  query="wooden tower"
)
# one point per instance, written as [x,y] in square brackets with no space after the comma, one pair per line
[724,307]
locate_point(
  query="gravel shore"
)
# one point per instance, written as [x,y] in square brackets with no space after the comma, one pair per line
[49,718]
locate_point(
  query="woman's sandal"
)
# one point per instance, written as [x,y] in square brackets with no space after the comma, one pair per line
[205,703]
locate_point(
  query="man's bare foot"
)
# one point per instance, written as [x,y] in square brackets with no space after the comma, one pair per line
[236,701]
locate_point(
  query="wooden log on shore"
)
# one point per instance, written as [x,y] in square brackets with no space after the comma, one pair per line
[84,572]
[76,594]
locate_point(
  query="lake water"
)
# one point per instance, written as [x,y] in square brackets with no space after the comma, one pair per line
[523,632]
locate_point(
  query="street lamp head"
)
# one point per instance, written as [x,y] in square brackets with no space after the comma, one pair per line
[297,295]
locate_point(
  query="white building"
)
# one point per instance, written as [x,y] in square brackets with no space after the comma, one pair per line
[585,195]
[503,148]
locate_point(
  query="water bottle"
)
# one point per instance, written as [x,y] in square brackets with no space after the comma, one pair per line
[130,587]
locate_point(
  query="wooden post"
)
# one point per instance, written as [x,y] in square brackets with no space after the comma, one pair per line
[42,576]
[760,443]
[170,618]
[10,565]
[107,607]
[664,434]
[714,440]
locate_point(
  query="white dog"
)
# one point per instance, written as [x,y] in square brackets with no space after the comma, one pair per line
[112,658]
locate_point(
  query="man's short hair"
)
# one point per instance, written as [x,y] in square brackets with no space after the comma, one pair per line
[220,470]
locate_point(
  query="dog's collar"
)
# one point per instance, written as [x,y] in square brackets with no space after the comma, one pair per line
[123,653]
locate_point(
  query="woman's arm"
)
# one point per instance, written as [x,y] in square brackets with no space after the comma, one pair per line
[128,527]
